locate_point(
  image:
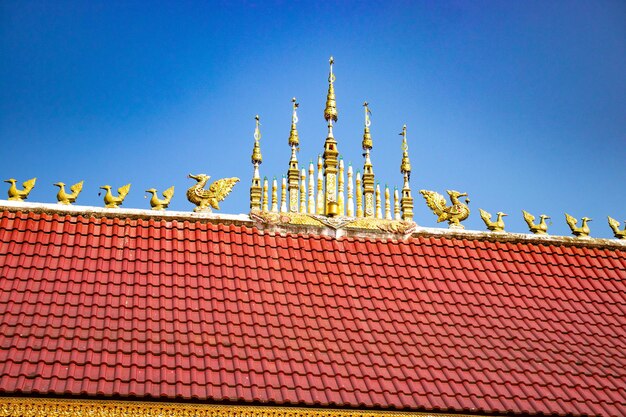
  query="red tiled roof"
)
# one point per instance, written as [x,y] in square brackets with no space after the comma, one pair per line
[178,309]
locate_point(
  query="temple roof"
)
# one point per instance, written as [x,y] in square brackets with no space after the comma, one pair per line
[219,309]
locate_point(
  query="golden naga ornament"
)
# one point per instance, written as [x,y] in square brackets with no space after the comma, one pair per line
[498,225]
[156,203]
[540,228]
[63,197]
[453,214]
[614,224]
[583,230]
[111,201]
[20,195]
[217,192]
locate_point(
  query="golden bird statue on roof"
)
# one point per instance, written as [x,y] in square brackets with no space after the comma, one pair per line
[583,230]
[540,228]
[454,213]
[156,203]
[614,224]
[204,198]
[20,195]
[111,201]
[498,225]
[66,198]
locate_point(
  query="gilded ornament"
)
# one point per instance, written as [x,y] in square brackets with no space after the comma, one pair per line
[111,201]
[205,199]
[20,195]
[582,231]
[330,112]
[614,224]
[158,204]
[398,227]
[68,198]
[498,225]
[453,214]
[540,228]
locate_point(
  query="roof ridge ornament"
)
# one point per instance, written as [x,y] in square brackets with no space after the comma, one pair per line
[495,226]
[66,198]
[540,228]
[614,224]
[406,202]
[257,159]
[20,195]
[583,230]
[330,112]
[205,199]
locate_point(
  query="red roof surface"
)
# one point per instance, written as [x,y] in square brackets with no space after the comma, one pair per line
[177,309]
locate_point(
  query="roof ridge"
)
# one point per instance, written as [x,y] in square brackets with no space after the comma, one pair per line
[308,230]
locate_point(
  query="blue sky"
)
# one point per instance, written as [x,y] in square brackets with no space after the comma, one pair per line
[520,104]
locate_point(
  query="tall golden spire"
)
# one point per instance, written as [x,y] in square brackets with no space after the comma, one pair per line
[293,173]
[368,168]
[405,168]
[330,149]
[257,159]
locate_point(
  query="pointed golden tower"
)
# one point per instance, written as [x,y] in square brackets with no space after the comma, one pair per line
[331,152]
[368,168]
[294,173]
[405,168]
[257,159]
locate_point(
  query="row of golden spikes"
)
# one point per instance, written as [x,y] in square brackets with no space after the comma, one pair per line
[330,185]
[311,192]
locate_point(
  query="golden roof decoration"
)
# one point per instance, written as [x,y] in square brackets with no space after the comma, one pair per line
[20,195]
[68,198]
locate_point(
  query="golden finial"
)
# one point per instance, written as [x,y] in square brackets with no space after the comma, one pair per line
[379,210]
[265,196]
[498,225]
[359,195]
[582,231]
[350,189]
[320,187]
[340,188]
[283,195]
[217,191]
[405,166]
[274,195]
[303,191]
[158,204]
[614,224]
[311,196]
[387,203]
[540,228]
[66,198]
[330,112]
[257,158]
[396,204]
[111,201]
[293,134]
[454,213]
[367,137]
[20,195]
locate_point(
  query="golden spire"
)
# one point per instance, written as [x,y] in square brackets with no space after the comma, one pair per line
[359,195]
[340,186]
[350,189]
[265,196]
[396,204]
[283,195]
[368,168]
[405,168]
[330,112]
[257,159]
[320,187]
[379,210]
[274,195]
[303,191]
[311,196]
[293,173]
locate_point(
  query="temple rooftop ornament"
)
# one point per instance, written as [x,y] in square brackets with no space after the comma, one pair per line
[293,174]
[614,224]
[454,213]
[582,231]
[63,197]
[158,204]
[498,225]
[20,195]
[540,228]
[405,168]
[205,199]
[257,160]
[111,201]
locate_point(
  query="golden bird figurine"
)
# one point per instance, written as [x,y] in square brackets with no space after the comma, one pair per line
[110,201]
[540,228]
[583,230]
[65,198]
[620,234]
[453,214]
[217,192]
[158,204]
[20,195]
[498,225]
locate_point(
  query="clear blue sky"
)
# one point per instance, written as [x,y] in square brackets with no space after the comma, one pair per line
[520,104]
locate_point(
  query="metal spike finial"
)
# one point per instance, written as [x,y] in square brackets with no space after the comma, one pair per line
[330,112]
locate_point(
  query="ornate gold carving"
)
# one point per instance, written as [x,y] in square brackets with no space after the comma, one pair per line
[614,224]
[359,195]
[330,112]
[498,225]
[540,228]
[111,201]
[582,231]
[50,407]
[66,198]
[217,192]
[453,214]
[257,160]
[20,195]
[158,204]
[399,227]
